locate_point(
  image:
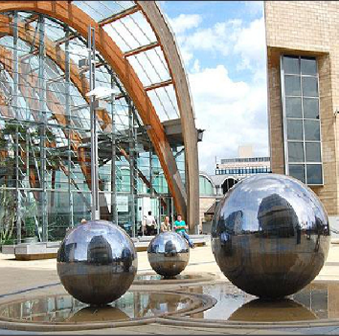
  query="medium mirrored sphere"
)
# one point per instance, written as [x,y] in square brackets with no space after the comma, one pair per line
[97,262]
[270,235]
[168,254]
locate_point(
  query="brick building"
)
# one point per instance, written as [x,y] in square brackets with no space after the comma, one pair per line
[303,86]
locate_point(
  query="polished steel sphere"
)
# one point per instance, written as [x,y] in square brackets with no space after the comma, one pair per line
[168,254]
[97,262]
[270,235]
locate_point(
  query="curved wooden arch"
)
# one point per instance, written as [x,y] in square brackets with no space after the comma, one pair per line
[166,40]
[78,20]
[57,55]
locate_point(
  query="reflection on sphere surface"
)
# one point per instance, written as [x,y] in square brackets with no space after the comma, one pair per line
[168,254]
[97,262]
[270,235]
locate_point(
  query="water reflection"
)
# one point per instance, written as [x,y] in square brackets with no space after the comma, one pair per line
[158,277]
[94,314]
[64,308]
[319,300]
[272,311]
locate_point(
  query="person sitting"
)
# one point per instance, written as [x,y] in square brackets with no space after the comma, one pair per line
[181,227]
[165,225]
[149,225]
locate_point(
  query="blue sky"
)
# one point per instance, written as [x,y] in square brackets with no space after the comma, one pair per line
[222,44]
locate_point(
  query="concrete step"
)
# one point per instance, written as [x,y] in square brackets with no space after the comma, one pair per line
[49,250]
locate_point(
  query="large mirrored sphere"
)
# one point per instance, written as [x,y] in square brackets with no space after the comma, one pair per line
[270,235]
[168,254]
[97,262]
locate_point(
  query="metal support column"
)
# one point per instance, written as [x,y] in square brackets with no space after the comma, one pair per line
[69,125]
[150,169]
[94,135]
[43,119]
[114,211]
[132,166]
[15,105]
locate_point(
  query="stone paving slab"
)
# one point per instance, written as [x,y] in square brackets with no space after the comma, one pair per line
[275,332]
[17,276]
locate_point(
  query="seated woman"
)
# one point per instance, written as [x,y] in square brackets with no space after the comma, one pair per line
[165,225]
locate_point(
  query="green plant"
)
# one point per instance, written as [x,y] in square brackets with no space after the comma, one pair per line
[7,215]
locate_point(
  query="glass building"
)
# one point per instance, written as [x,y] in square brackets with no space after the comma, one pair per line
[146,133]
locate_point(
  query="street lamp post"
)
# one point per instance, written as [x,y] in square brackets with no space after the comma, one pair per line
[95,214]
[95,94]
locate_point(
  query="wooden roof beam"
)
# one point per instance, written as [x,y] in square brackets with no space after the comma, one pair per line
[118,16]
[141,49]
[62,40]
[158,85]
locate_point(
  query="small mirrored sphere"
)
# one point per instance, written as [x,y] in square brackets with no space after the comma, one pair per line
[168,254]
[97,262]
[270,235]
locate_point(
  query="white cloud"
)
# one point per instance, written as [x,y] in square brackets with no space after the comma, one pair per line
[213,86]
[231,38]
[196,66]
[216,39]
[185,22]
[232,113]
[251,45]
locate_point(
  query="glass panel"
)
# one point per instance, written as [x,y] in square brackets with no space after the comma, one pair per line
[308,66]
[312,130]
[293,107]
[81,206]
[297,171]
[313,153]
[310,86]
[291,65]
[59,217]
[311,108]
[292,86]
[314,174]
[294,129]
[295,152]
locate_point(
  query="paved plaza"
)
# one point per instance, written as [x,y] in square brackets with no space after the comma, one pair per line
[28,279]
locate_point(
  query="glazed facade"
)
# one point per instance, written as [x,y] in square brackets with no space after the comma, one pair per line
[45,166]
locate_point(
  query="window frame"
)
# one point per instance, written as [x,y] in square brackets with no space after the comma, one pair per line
[285,119]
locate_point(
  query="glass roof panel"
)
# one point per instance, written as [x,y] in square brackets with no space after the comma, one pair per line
[164,102]
[99,10]
[131,32]
[150,66]
[55,31]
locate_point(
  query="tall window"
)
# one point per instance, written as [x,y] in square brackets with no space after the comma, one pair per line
[302,136]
